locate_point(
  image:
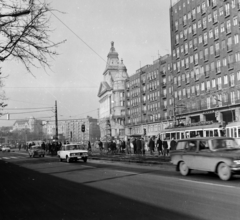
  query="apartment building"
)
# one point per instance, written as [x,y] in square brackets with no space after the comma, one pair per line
[149,98]
[206,61]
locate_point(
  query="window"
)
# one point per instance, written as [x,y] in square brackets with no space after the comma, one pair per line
[216,32]
[215,18]
[237,56]
[206,54]
[207,70]
[217,49]
[208,102]
[188,78]
[228,30]
[190,30]
[195,43]
[218,66]
[220,11]
[238,75]
[176,25]
[225,80]
[199,24]
[211,50]
[222,28]
[194,28]
[205,38]
[197,89]
[190,44]
[229,43]
[204,23]
[232,80]
[177,39]
[194,14]
[203,7]
[184,19]
[201,54]
[188,92]
[196,59]
[227,9]
[236,38]
[220,82]
[208,85]
[232,95]
[209,18]
[203,86]
[235,21]
[224,61]
[213,83]
[210,33]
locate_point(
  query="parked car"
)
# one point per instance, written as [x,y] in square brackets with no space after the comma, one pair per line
[72,152]
[220,155]
[6,148]
[36,150]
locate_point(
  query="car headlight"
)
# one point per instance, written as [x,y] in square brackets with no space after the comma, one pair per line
[236,162]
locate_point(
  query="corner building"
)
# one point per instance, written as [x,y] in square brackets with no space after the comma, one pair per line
[206,68]
[112,98]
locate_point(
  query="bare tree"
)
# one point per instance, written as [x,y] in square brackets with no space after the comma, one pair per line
[25,32]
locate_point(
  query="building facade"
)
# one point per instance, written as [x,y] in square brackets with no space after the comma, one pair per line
[31,124]
[112,98]
[205,56]
[149,102]
[73,132]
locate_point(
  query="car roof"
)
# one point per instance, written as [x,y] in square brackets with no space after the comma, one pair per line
[205,138]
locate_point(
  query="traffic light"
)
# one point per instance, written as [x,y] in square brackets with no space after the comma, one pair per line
[83,128]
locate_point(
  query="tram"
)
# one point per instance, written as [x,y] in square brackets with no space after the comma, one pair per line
[213,130]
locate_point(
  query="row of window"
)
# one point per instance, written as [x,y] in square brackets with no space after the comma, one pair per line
[225,27]
[214,66]
[223,10]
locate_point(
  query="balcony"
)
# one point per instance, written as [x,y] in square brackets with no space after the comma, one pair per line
[164,84]
[217,53]
[229,47]
[164,96]
[230,66]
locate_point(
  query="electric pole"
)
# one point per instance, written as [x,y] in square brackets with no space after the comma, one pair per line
[56,121]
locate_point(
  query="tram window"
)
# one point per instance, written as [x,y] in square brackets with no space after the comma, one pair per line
[216,133]
[228,133]
[182,135]
[168,136]
[192,134]
[231,132]
[211,133]
[178,135]
[235,132]
[207,133]
[238,132]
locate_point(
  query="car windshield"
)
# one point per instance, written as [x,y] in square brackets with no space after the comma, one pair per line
[74,147]
[222,144]
[36,147]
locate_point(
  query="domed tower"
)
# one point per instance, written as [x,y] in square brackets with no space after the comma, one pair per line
[111,97]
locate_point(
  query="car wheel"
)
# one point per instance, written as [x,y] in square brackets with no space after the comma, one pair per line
[30,155]
[224,171]
[43,155]
[68,159]
[85,159]
[184,170]
[60,159]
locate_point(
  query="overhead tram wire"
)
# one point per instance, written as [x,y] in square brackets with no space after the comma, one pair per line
[76,35]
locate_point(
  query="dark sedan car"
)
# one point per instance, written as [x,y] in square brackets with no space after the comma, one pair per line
[220,155]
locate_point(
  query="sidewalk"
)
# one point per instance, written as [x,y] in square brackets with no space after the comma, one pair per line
[132,158]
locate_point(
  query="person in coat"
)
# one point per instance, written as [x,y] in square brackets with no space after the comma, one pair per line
[151,145]
[159,145]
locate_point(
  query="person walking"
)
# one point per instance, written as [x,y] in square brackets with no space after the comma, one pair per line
[128,146]
[134,146]
[159,145]
[100,145]
[173,144]
[151,145]
[165,147]
[143,146]
[138,146]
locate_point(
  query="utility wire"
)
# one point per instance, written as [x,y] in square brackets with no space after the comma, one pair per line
[26,112]
[27,108]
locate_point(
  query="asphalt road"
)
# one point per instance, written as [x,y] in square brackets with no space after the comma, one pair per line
[43,188]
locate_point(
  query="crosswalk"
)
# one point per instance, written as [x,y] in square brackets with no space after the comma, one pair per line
[11,157]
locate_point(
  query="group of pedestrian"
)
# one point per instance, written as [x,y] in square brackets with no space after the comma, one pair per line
[161,145]
[135,146]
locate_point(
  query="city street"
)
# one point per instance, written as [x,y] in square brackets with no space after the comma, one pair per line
[43,188]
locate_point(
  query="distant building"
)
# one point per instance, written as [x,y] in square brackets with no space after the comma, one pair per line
[112,98]
[32,124]
[73,132]
[49,128]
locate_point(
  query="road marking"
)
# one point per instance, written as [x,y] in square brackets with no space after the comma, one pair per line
[211,184]
[126,172]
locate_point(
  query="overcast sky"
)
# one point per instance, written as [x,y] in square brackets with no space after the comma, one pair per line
[139,28]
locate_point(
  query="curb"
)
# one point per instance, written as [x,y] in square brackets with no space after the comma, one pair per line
[132,161]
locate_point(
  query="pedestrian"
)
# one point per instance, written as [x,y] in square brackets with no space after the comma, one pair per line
[165,147]
[138,146]
[19,147]
[151,145]
[89,146]
[134,146]
[173,144]
[159,145]
[143,146]
[128,146]
[100,145]
[43,146]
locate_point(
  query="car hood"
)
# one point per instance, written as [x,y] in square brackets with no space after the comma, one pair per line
[233,153]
